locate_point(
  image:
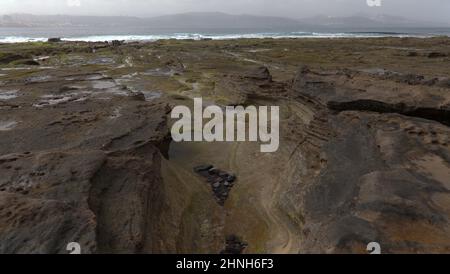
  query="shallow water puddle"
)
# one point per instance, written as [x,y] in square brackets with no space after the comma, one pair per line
[160,72]
[151,95]
[7,125]
[95,77]
[8,95]
[101,61]
[51,100]
[129,76]
[38,79]
[19,68]
[110,86]
[85,77]
[136,87]
[103,84]
[41,58]
[258,50]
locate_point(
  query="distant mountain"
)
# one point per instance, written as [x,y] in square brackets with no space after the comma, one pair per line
[365,22]
[29,20]
[212,20]
[221,20]
[177,21]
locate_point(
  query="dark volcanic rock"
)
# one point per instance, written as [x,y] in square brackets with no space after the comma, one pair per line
[54,40]
[116,43]
[77,164]
[381,177]
[231,178]
[221,182]
[260,73]
[234,245]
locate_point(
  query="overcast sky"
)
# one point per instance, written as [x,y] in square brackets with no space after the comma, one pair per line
[430,10]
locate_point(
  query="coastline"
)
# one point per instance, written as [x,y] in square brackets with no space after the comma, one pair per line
[197,37]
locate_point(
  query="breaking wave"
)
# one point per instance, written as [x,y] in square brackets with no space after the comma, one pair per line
[199,36]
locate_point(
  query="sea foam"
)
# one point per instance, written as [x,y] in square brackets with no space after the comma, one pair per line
[200,36]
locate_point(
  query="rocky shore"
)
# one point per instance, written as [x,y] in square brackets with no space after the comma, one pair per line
[86,154]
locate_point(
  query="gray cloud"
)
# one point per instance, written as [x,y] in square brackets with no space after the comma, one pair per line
[430,10]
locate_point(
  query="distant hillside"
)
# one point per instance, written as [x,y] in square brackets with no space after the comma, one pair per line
[361,21]
[210,20]
[28,20]
[221,20]
[177,21]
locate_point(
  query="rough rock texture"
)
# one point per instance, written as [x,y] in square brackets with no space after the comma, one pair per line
[386,174]
[91,183]
[78,170]
[364,147]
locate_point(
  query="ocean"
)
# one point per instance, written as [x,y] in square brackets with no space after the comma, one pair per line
[89,34]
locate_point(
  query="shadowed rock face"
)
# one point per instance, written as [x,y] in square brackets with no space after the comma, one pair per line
[386,173]
[85,151]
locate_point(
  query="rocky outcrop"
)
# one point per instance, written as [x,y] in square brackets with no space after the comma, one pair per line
[44,201]
[386,173]
[81,171]
[259,73]
[54,40]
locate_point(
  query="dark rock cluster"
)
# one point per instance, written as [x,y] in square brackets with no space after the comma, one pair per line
[54,40]
[234,245]
[116,43]
[221,182]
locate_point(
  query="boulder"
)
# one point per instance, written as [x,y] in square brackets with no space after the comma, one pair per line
[116,43]
[54,40]
[261,73]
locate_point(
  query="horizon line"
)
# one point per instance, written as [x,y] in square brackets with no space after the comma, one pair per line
[442,24]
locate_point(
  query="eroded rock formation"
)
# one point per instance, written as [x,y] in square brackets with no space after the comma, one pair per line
[85,152]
